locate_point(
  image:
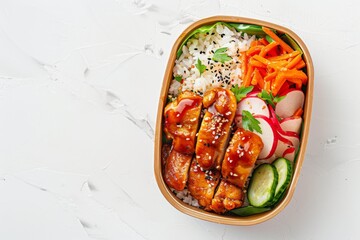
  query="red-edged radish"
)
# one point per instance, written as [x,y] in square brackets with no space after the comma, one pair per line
[268,136]
[293,101]
[289,154]
[254,105]
[278,126]
[291,124]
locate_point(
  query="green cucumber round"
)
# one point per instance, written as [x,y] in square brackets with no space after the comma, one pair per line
[284,169]
[262,185]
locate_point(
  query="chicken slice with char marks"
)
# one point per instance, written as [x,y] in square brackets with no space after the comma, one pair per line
[181,121]
[227,197]
[202,184]
[214,131]
[240,157]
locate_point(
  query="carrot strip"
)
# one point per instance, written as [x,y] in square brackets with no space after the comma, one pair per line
[247,79]
[254,81]
[267,85]
[281,65]
[263,41]
[277,84]
[284,56]
[295,74]
[297,82]
[293,62]
[255,43]
[300,65]
[298,112]
[261,59]
[256,63]
[254,50]
[268,48]
[258,78]
[270,76]
[283,44]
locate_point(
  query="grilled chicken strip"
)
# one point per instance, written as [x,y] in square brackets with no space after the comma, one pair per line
[227,197]
[181,119]
[202,184]
[240,157]
[214,131]
[176,169]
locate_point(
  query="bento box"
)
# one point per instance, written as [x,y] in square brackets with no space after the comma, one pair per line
[271,71]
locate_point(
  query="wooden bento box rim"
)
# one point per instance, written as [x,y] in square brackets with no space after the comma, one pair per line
[199,213]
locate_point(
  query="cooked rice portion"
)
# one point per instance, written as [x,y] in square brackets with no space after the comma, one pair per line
[217,74]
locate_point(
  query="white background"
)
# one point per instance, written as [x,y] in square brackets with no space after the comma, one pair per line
[79,88]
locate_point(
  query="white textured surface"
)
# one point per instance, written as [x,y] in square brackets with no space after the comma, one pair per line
[79,84]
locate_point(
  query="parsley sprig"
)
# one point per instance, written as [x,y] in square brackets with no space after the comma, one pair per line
[269,98]
[220,55]
[240,92]
[201,67]
[249,122]
[178,78]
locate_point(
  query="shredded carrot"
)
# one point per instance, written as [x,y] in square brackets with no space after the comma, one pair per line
[247,79]
[258,79]
[256,63]
[293,62]
[283,44]
[300,65]
[298,112]
[274,67]
[254,50]
[255,43]
[263,41]
[267,86]
[277,84]
[284,56]
[261,59]
[268,48]
[271,76]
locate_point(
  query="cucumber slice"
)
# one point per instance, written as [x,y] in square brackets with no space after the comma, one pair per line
[284,169]
[262,185]
[249,210]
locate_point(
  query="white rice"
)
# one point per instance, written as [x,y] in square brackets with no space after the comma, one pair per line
[186,197]
[202,46]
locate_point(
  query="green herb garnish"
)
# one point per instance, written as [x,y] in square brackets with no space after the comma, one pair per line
[269,98]
[220,55]
[249,122]
[201,67]
[240,92]
[178,78]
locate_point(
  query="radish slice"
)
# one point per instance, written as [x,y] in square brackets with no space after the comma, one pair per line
[289,154]
[292,124]
[282,147]
[254,105]
[293,101]
[278,126]
[268,137]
